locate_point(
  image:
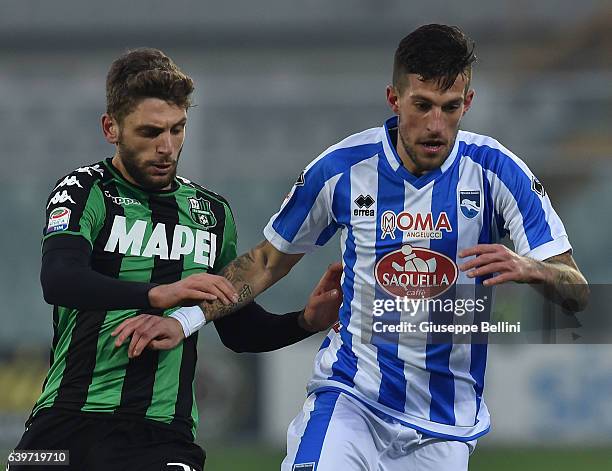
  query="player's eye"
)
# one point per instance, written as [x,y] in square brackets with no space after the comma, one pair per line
[150,132]
[178,129]
[450,108]
[422,106]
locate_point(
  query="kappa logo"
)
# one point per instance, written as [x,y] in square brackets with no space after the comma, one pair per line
[537,187]
[70,180]
[59,219]
[416,226]
[300,179]
[364,203]
[415,272]
[469,202]
[304,467]
[201,212]
[60,198]
[92,168]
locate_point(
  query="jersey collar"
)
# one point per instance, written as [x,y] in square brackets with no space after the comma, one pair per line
[394,161]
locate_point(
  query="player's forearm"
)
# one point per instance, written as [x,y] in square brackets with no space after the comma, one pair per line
[252,329]
[251,274]
[563,283]
[68,280]
[70,285]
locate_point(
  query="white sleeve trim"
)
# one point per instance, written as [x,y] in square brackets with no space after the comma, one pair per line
[191,319]
[282,245]
[550,249]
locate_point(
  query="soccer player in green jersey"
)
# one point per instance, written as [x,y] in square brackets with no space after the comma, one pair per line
[127,236]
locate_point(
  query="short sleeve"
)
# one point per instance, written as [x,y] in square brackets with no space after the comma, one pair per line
[76,207]
[524,210]
[305,219]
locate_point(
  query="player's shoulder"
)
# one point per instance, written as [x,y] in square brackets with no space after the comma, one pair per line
[351,150]
[204,191]
[364,143]
[85,175]
[489,153]
[76,185]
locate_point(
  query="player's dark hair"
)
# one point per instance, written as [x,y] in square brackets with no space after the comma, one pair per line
[434,52]
[145,73]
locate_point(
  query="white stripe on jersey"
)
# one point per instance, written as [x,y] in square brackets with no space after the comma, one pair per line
[367,376]
[413,347]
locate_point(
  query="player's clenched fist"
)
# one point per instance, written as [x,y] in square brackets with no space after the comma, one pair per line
[193,290]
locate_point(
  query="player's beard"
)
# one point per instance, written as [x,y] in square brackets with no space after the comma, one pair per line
[137,169]
[423,164]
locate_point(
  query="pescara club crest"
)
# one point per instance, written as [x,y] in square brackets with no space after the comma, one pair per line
[469,202]
[201,212]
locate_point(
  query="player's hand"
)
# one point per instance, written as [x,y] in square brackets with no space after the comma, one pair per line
[193,290]
[498,259]
[148,331]
[321,312]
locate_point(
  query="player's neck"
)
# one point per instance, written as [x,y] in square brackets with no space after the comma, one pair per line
[405,157]
[408,162]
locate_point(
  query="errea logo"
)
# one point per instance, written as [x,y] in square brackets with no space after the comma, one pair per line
[364,203]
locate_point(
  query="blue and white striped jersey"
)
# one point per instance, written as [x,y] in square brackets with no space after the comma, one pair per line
[400,232]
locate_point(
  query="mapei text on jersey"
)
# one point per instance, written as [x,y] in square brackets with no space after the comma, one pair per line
[185,240]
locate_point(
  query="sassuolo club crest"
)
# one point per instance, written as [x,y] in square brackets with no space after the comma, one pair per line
[201,212]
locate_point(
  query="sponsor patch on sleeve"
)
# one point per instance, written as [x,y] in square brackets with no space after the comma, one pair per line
[304,467]
[58,220]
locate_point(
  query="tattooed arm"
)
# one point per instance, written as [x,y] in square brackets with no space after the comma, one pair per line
[251,274]
[558,278]
[562,282]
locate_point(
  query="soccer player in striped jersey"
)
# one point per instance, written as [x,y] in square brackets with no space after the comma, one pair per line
[421,207]
[126,236]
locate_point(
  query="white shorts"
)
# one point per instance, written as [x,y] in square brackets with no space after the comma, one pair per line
[335,432]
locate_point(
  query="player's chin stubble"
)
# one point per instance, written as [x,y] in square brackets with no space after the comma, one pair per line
[137,170]
[422,164]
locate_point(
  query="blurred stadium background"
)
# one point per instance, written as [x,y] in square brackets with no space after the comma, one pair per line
[277,83]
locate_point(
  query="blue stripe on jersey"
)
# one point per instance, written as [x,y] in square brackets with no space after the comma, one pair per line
[501,230]
[345,367]
[293,215]
[437,361]
[518,183]
[327,233]
[325,343]
[478,360]
[312,440]
[392,392]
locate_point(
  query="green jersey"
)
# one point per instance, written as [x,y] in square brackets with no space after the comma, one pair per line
[135,235]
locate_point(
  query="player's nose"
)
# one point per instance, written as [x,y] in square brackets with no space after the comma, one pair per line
[164,144]
[435,121]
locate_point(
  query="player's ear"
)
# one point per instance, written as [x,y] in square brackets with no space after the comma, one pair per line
[467,102]
[393,98]
[110,129]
